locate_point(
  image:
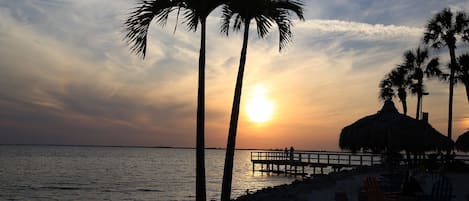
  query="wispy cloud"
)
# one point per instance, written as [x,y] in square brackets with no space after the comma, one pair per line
[67,76]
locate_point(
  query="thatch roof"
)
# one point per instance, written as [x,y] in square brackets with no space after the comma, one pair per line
[390,130]
[462,143]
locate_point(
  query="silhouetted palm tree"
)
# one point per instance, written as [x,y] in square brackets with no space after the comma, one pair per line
[462,75]
[194,12]
[418,66]
[398,78]
[442,30]
[265,13]
[386,92]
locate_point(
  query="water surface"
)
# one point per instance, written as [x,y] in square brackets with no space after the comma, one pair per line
[118,173]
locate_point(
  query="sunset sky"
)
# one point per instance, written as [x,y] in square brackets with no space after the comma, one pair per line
[67,77]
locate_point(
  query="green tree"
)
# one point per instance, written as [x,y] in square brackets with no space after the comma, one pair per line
[441,31]
[265,13]
[418,66]
[194,12]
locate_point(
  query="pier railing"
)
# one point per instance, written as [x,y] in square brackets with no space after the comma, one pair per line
[319,157]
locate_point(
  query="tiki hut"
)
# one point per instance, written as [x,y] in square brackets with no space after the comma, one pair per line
[462,143]
[388,130]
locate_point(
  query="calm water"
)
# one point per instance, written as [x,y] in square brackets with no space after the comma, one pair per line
[115,173]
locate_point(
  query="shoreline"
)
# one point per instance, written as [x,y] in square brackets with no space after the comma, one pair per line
[348,182]
[323,185]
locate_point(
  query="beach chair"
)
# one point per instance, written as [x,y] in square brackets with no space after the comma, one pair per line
[442,190]
[374,192]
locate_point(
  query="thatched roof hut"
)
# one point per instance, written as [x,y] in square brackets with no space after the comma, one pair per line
[390,130]
[462,143]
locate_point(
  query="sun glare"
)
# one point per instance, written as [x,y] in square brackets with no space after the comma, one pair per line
[465,122]
[259,108]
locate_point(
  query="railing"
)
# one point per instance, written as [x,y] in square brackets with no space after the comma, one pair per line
[331,158]
[464,158]
[319,157]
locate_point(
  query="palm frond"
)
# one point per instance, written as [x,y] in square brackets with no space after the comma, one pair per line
[263,25]
[444,27]
[409,57]
[433,69]
[386,92]
[139,20]
[192,19]
[463,73]
[463,61]
[421,56]
[462,25]
[292,6]
[238,21]
[227,14]
[265,13]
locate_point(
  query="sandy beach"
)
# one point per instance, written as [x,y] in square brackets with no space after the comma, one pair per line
[324,188]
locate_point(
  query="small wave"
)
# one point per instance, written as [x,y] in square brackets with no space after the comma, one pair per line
[148,190]
[60,188]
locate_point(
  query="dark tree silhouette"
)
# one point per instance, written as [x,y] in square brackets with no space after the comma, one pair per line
[442,31]
[386,92]
[194,12]
[462,75]
[418,66]
[265,13]
[398,79]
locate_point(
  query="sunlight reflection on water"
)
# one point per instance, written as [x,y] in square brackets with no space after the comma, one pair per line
[118,173]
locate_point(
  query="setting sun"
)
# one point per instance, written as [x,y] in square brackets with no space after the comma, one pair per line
[259,108]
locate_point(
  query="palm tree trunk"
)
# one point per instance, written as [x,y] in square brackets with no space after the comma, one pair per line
[419,105]
[200,191]
[230,147]
[404,106]
[466,84]
[402,97]
[451,90]
[419,96]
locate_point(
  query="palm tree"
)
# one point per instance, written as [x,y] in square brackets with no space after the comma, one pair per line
[462,75]
[398,78]
[442,31]
[194,12]
[418,65]
[265,13]
[386,92]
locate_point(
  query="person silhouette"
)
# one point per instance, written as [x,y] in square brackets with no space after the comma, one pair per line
[292,151]
[286,153]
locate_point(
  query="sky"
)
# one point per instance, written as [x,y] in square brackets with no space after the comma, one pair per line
[68,77]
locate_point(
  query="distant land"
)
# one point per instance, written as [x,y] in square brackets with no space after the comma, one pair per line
[122,146]
[158,147]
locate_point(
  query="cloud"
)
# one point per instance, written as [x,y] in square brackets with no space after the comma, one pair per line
[397,12]
[359,30]
[67,76]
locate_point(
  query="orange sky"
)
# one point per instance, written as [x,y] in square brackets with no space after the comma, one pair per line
[66,76]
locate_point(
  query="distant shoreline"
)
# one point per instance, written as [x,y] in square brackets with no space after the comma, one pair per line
[126,146]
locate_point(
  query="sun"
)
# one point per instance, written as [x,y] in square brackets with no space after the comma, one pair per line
[259,108]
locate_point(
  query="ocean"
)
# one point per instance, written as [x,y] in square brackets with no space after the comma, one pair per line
[119,173]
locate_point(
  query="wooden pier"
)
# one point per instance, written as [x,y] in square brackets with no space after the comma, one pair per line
[280,162]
